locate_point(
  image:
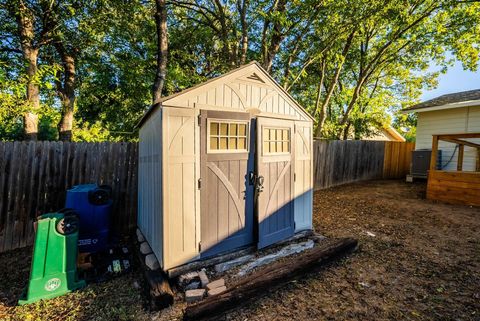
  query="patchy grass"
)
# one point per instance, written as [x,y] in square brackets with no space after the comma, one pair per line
[418,260]
[114,300]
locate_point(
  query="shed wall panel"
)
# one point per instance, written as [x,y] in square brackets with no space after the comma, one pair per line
[449,121]
[303,186]
[180,217]
[150,207]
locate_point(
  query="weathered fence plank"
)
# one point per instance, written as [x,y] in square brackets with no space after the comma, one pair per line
[34,177]
[341,162]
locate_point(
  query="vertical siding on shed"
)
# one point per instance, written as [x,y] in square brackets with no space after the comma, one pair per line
[150,207]
[449,121]
[180,217]
[303,186]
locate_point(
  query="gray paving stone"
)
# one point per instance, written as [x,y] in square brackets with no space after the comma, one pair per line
[215,284]
[218,290]
[194,295]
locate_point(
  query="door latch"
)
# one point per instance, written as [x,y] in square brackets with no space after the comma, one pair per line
[259,184]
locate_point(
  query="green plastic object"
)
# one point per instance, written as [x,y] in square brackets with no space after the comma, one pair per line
[54,262]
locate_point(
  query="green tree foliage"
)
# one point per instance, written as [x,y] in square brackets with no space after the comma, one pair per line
[353,64]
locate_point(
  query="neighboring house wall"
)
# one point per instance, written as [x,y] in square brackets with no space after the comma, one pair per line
[449,121]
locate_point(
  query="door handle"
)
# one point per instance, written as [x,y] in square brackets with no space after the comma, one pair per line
[251,178]
[259,183]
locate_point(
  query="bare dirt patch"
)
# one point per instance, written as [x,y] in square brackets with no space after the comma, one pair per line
[422,264]
[418,260]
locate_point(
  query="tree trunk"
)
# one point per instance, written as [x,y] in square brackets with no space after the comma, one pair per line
[66,93]
[326,101]
[162,50]
[30,118]
[242,8]
[318,129]
[26,32]
[276,39]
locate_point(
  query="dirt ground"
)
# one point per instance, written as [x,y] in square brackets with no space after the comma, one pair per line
[418,260]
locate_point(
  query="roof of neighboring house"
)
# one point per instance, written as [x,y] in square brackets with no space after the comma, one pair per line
[395,134]
[454,100]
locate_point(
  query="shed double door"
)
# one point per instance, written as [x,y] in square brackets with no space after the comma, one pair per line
[227,193]
[246,177]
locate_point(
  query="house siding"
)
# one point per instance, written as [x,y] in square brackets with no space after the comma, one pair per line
[449,121]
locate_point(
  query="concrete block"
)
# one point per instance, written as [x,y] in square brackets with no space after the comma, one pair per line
[151,262]
[140,236]
[203,278]
[194,295]
[218,290]
[225,266]
[215,284]
[145,248]
[186,279]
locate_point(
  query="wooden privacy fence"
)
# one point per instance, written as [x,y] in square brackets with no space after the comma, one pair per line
[340,162]
[34,177]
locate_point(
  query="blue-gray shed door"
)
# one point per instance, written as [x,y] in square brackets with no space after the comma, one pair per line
[275,180]
[226,193]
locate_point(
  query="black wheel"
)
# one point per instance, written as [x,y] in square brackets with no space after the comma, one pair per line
[98,196]
[67,225]
[108,188]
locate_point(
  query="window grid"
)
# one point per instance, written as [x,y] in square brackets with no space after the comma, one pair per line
[228,136]
[276,141]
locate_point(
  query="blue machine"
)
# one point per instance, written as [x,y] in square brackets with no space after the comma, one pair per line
[92,204]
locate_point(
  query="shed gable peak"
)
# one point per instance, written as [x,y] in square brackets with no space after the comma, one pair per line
[244,89]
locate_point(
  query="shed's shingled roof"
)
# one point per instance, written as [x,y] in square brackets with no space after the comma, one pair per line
[448,99]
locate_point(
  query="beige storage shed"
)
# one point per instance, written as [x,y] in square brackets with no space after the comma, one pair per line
[224,165]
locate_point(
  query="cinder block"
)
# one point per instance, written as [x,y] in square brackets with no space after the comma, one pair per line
[194,295]
[140,236]
[203,278]
[217,290]
[145,248]
[151,262]
[215,284]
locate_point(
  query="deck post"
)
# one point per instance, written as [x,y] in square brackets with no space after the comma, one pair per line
[461,149]
[478,161]
[433,159]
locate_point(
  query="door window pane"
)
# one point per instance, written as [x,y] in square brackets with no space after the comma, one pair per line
[242,130]
[213,143]
[228,136]
[223,128]
[214,128]
[276,140]
[242,143]
[223,142]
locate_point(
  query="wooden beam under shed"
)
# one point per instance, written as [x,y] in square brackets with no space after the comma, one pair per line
[260,282]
